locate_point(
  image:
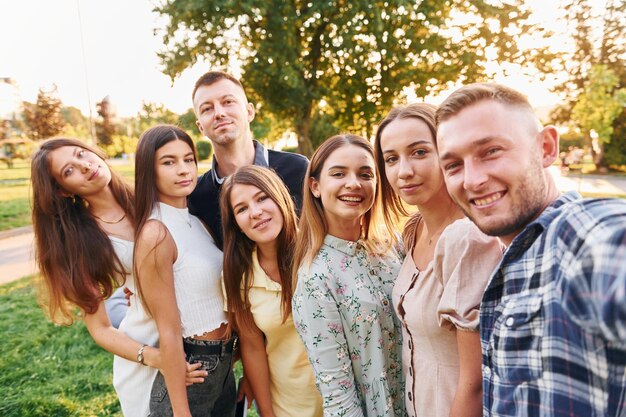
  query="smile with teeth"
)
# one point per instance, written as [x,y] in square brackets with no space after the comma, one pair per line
[487,200]
[351,199]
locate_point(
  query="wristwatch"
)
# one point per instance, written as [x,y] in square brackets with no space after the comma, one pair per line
[140,354]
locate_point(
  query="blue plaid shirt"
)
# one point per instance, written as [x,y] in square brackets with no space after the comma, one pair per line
[553,317]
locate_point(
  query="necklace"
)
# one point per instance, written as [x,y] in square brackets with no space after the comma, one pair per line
[434,235]
[107,222]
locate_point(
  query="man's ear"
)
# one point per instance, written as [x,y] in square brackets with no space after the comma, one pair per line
[251,112]
[549,138]
[199,126]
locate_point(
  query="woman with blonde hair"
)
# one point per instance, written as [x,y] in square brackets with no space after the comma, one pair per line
[260,224]
[444,274]
[342,304]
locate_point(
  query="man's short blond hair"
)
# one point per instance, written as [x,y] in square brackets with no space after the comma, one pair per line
[474,93]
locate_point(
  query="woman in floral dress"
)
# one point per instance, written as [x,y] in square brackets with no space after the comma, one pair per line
[342,305]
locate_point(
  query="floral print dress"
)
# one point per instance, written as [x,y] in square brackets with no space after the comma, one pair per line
[343,312]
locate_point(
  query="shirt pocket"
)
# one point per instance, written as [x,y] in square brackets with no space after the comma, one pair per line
[517,340]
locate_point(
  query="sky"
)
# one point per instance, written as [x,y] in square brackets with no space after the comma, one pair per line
[40,46]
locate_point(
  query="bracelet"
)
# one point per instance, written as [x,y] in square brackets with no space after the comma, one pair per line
[140,355]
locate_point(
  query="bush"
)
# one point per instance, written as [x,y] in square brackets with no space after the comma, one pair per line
[204,148]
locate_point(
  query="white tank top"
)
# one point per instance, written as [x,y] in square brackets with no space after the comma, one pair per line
[197,271]
[132,380]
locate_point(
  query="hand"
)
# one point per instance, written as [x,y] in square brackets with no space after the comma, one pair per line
[245,390]
[127,294]
[194,375]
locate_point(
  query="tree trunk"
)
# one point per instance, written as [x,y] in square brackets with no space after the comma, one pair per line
[598,159]
[303,131]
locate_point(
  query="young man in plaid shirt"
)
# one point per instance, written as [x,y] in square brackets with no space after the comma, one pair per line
[553,317]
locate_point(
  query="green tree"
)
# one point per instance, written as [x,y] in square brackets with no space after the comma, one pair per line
[615,151]
[598,106]
[353,56]
[187,121]
[598,35]
[152,114]
[76,124]
[44,119]
[105,125]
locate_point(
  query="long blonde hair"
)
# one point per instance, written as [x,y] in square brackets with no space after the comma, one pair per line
[313,225]
[238,248]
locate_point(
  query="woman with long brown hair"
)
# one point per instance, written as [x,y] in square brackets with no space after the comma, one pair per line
[347,267]
[259,224]
[448,263]
[178,269]
[83,221]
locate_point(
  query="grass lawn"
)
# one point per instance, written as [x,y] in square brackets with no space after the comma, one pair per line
[48,370]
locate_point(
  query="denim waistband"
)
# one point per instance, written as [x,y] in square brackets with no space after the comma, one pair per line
[209,347]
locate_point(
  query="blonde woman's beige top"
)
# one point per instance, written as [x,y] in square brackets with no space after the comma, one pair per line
[433,305]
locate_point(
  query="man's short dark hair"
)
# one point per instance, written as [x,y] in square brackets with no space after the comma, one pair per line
[212,77]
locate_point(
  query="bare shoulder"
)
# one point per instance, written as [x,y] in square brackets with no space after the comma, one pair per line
[155,234]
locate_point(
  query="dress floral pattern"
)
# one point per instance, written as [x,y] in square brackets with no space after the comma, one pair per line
[343,312]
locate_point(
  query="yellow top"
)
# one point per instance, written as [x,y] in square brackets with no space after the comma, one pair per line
[292,384]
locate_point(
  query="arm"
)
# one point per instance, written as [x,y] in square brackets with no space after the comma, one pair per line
[116,341]
[256,369]
[155,255]
[594,283]
[319,324]
[467,400]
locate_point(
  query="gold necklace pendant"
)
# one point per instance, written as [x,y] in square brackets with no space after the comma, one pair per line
[108,222]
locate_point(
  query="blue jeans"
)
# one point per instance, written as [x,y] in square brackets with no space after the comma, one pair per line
[216,396]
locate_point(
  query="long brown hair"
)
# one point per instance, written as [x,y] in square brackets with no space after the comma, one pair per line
[238,247]
[392,205]
[313,225]
[146,193]
[76,259]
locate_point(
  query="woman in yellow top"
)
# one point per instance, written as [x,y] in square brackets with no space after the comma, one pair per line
[259,224]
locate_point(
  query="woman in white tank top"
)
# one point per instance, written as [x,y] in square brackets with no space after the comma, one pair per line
[83,220]
[178,269]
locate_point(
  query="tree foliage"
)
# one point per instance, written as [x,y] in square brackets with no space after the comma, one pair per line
[44,119]
[76,124]
[597,107]
[152,114]
[598,36]
[353,56]
[105,125]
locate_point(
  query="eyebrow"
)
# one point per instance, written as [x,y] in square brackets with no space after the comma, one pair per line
[344,167]
[479,142]
[412,145]
[253,196]
[229,95]
[174,156]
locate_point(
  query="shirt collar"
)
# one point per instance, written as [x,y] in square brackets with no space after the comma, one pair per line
[348,247]
[261,158]
[260,278]
[531,232]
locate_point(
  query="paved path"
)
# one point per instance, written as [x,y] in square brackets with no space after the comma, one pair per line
[16,246]
[16,254]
